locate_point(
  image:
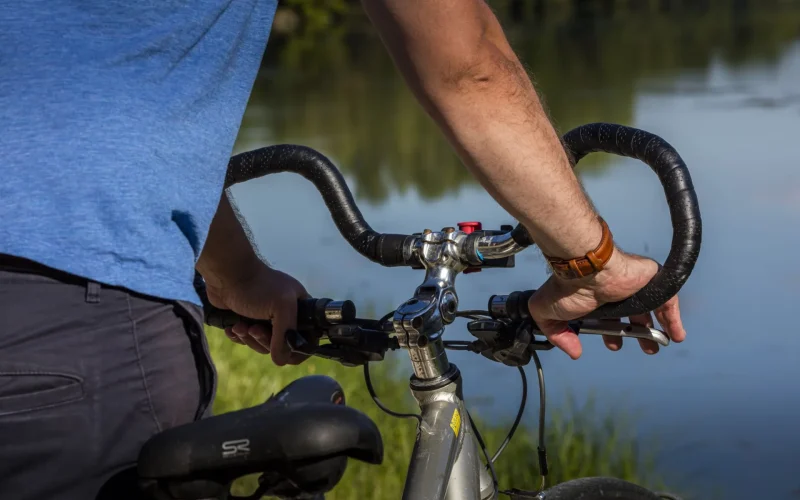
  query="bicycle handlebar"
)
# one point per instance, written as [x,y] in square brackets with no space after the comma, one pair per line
[684,210]
[385,249]
[398,249]
[355,341]
[665,161]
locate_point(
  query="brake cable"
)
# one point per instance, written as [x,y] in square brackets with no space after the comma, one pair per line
[375,398]
[374,395]
[519,415]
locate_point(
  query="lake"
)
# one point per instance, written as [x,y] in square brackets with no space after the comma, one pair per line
[720,84]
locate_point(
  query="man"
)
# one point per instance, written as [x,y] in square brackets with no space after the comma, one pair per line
[118,119]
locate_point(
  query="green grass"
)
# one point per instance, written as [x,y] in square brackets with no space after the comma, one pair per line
[579,441]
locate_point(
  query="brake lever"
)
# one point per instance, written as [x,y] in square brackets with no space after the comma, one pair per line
[300,344]
[616,328]
[346,356]
[351,345]
[488,332]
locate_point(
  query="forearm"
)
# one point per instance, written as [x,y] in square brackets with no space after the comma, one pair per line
[503,135]
[467,77]
[228,255]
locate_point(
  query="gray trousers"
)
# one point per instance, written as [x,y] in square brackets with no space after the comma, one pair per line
[87,374]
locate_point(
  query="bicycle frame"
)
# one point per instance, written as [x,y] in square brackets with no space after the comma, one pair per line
[445,464]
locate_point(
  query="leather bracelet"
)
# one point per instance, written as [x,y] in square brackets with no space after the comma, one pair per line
[593,262]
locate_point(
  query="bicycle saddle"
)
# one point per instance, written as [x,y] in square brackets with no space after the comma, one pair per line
[299,439]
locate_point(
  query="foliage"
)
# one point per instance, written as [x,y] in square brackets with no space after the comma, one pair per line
[318,14]
[580,442]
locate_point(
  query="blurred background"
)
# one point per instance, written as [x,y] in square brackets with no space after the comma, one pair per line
[713,417]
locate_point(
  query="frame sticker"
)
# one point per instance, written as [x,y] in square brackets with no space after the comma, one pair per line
[455,422]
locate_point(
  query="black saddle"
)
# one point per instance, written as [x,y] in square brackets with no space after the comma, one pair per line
[299,440]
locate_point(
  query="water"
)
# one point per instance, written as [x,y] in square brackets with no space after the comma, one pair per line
[720,85]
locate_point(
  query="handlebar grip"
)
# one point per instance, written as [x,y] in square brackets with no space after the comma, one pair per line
[388,250]
[513,306]
[312,314]
[684,210]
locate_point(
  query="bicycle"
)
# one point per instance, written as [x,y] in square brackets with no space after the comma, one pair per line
[301,438]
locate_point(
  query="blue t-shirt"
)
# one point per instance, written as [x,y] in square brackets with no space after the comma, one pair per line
[117,118]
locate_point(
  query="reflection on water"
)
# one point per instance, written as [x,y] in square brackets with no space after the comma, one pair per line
[719,83]
[341,94]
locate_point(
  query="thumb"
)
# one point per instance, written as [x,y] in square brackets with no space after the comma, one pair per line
[558,332]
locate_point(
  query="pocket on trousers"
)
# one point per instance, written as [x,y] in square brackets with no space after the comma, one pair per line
[25,388]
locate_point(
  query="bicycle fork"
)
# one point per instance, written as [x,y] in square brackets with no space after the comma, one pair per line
[445,463]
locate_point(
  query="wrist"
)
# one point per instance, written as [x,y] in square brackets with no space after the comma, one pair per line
[613,268]
[590,262]
[582,237]
[230,272]
[622,276]
[228,256]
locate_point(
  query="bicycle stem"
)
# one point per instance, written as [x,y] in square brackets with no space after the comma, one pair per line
[420,321]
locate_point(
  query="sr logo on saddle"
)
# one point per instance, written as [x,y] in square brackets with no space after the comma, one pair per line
[235,448]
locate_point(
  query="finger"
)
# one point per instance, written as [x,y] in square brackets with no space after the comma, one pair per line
[645,319]
[561,335]
[253,344]
[261,334]
[557,332]
[232,336]
[648,346]
[240,328]
[285,320]
[612,342]
[296,357]
[669,316]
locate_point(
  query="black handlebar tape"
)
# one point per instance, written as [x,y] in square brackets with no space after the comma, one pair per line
[681,198]
[385,249]
[684,210]
[310,315]
[521,236]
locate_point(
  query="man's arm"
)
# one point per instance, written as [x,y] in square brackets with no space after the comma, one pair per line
[237,279]
[457,61]
[228,255]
